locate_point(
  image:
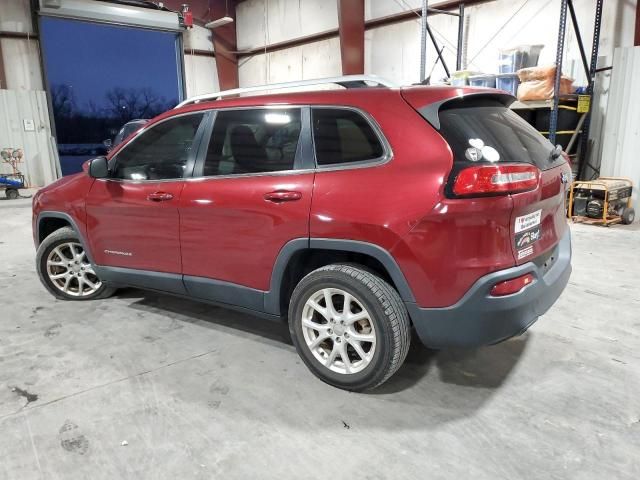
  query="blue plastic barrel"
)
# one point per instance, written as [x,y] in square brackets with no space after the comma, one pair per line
[10,182]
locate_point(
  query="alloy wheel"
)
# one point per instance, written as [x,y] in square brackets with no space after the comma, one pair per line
[70,271]
[338,331]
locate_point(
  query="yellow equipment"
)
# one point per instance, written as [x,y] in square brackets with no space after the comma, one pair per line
[604,201]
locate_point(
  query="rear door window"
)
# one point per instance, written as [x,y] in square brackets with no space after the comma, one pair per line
[488,132]
[253,141]
[343,136]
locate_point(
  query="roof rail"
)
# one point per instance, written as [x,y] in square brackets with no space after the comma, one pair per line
[347,81]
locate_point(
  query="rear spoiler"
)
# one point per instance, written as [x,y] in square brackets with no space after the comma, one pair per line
[430,112]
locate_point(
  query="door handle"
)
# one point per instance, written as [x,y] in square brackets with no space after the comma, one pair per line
[159,196]
[282,196]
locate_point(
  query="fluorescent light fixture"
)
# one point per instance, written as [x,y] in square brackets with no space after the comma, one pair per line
[219,22]
[279,118]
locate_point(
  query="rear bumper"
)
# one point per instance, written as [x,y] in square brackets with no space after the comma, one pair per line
[480,319]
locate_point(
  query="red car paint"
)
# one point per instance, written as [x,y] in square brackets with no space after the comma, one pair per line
[225,228]
[121,218]
[231,232]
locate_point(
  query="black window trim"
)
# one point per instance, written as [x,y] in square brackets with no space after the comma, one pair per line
[373,162]
[193,155]
[304,160]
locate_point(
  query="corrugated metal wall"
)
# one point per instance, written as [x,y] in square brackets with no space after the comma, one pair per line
[620,156]
[41,164]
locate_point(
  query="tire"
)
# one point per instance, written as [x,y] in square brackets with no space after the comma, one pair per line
[11,193]
[628,215]
[61,262]
[381,316]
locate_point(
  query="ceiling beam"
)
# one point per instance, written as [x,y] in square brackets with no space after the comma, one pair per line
[351,32]
[637,36]
[224,38]
[20,35]
[3,75]
[225,44]
[392,19]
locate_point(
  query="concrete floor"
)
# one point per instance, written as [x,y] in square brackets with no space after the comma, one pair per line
[200,392]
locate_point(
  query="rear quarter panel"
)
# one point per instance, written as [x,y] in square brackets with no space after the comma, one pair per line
[381,203]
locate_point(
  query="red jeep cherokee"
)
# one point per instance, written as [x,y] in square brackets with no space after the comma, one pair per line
[357,213]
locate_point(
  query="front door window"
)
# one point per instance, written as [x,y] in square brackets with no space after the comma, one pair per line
[163,152]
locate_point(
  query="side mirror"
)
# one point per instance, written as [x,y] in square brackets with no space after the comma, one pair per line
[108,143]
[99,167]
[557,151]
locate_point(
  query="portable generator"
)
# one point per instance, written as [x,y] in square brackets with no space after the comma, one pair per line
[604,201]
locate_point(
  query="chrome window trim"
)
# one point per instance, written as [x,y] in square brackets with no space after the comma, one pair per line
[113,160]
[279,173]
[386,157]
[376,162]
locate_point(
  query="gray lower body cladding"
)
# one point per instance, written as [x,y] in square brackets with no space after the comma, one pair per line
[481,319]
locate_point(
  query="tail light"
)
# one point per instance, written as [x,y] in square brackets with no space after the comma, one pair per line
[509,287]
[495,179]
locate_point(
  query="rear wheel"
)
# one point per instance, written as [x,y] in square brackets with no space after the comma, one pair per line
[11,193]
[628,215]
[350,327]
[65,270]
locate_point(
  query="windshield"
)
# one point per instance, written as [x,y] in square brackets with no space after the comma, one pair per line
[485,131]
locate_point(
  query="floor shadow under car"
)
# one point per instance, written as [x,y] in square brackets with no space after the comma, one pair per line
[482,368]
[206,314]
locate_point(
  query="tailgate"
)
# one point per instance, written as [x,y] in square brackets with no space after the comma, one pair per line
[539,221]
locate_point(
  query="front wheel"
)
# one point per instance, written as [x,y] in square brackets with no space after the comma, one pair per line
[11,193]
[349,326]
[65,270]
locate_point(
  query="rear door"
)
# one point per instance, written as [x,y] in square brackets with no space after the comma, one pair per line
[250,195]
[481,129]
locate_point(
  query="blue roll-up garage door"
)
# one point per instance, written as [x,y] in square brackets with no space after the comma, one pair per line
[101,76]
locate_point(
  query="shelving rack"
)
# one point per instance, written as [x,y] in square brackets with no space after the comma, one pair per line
[581,132]
[425,31]
[566,6]
[569,102]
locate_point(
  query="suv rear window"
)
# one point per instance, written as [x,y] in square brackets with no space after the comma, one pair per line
[487,131]
[344,136]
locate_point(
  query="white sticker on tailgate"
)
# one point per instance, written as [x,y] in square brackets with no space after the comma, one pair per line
[528,221]
[525,252]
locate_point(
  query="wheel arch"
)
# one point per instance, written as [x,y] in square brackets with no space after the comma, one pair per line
[301,256]
[50,221]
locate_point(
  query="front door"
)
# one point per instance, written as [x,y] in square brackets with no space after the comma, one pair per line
[132,216]
[250,196]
